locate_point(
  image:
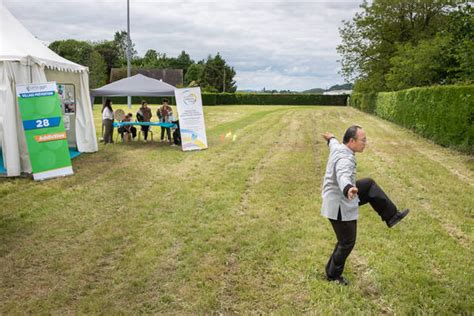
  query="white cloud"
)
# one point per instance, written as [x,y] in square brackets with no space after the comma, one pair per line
[272,79]
[296,40]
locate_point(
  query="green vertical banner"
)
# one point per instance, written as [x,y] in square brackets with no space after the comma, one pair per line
[45,135]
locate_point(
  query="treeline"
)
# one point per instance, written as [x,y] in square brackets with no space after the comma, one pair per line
[211,74]
[393,45]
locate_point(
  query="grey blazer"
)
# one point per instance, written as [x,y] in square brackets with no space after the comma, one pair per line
[340,171]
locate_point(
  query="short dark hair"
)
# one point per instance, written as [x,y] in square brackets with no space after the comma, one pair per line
[351,132]
[166,100]
[143,102]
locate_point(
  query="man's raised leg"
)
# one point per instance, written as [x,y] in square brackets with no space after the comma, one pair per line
[370,192]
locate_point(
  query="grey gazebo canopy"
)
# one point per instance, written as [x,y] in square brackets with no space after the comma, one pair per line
[138,85]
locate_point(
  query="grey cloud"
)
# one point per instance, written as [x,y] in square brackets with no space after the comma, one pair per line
[284,42]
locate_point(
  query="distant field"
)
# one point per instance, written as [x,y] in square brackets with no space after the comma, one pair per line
[146,228]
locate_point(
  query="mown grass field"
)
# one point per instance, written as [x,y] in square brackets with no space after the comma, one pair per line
[146,228]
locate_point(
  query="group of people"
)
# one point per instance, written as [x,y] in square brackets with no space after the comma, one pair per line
[144,114]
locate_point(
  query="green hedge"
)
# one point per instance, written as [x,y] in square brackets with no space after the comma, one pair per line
[444,114]
[363,101]
[248,99]
[273,99]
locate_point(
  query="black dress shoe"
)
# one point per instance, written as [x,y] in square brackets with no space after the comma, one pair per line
[339,280]
[397,218]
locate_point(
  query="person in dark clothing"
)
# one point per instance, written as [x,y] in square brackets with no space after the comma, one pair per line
[342,196]
[128,130]
[165,112]
[108,121]
[144,115]
[177,134]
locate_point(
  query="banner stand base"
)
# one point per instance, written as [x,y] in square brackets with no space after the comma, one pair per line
[66,171]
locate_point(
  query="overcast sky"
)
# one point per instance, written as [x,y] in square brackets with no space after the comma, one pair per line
[284,44]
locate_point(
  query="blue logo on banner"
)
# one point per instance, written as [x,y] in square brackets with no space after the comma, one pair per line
[37,94]
[193,133]
[41,123]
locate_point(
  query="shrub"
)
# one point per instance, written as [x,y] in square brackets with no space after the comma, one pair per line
[246,99]
[276,99]
[444,114]
[363,101]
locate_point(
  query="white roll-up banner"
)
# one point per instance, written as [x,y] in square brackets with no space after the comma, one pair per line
[191,119]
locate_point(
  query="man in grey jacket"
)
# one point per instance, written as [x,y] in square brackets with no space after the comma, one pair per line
[342,195]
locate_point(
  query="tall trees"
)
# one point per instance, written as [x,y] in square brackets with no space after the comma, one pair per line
[217,75]
[120,41]
[419,65]
[194,73]
[98,75]
[110,54]
[390,37]
[461,29]
[83,53]
[150,60]
[76,51]
[212,74]
[100,57]
[183,61]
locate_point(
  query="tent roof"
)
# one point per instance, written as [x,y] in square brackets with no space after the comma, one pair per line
[138,85]
[17,44]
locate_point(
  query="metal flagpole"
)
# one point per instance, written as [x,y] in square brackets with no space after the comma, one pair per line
[129,42]
[223,83]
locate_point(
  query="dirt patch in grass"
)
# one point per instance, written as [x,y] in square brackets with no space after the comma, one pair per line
[456,234]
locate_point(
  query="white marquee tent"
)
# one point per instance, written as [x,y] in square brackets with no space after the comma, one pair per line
[24,59]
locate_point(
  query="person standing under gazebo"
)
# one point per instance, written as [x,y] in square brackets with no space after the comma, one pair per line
[108,121]
[144,115]
[165,112]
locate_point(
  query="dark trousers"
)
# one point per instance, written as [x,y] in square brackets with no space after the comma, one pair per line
[177,137]
[346,231]
[108,130]
[145,131]
[168,133]
[132,130]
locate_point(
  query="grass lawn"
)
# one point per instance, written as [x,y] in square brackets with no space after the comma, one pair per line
[147,228]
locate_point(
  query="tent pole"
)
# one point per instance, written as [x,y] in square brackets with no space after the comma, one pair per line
[103,127]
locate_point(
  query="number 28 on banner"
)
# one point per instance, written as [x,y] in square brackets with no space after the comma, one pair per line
[41,123]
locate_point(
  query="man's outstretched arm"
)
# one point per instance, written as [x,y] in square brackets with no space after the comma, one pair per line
[328,136]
